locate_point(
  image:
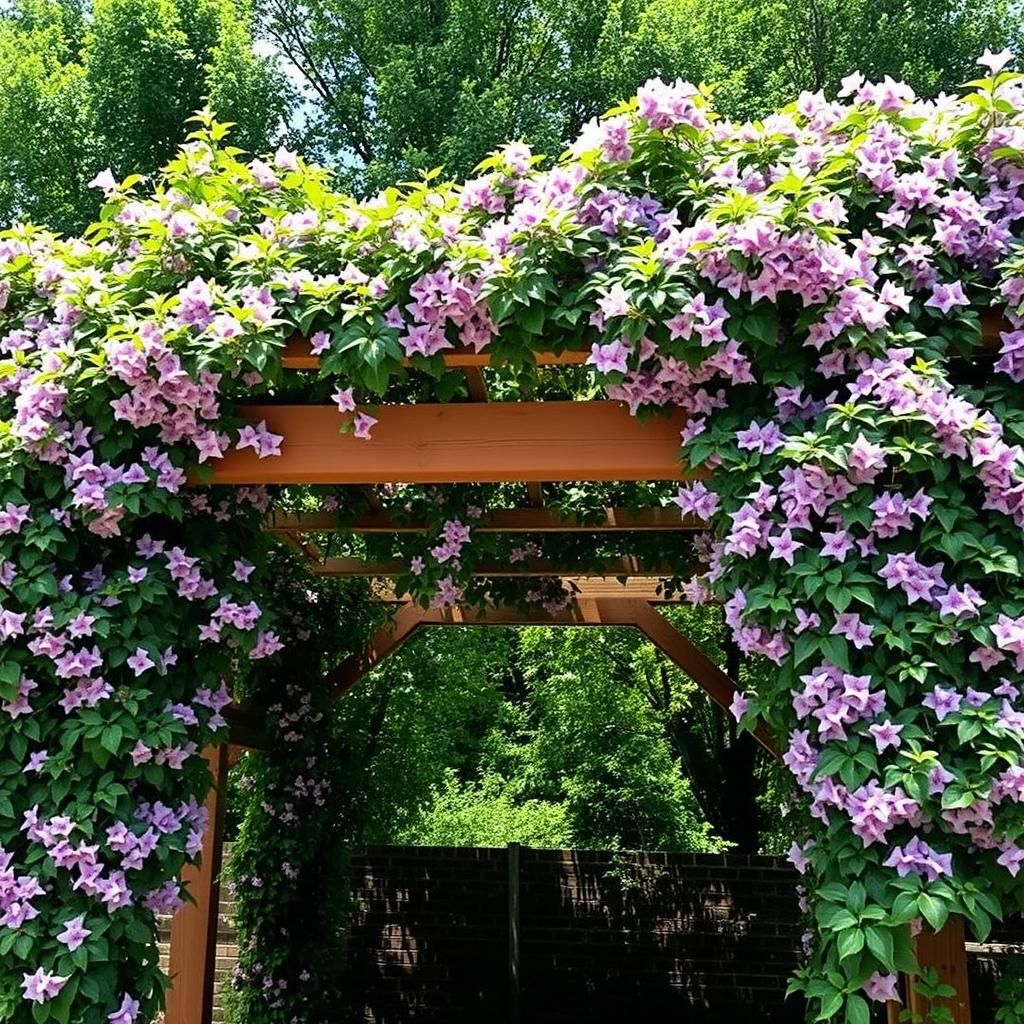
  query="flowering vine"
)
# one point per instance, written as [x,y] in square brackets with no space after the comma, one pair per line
[288,866]
[811,291]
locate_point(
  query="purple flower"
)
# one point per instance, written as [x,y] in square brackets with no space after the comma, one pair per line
[739,705]
[75,933]
[140,661]
[42,985]
[854,628]
[126,1013]
[945,297]
[882,988]
[783,546]
[887,734]
[344,398]
[610,358]
[943,702]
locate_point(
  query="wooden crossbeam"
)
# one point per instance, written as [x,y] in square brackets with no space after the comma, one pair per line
[642,588]
[614,567]
[618,611]
[506,520]
[500,442]
[297,355]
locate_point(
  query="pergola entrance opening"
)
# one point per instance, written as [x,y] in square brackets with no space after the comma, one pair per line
[534,444]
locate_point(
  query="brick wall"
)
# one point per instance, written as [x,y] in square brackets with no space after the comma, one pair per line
[602,937]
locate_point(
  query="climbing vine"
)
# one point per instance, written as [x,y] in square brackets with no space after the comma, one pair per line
[288,866]
[808,291]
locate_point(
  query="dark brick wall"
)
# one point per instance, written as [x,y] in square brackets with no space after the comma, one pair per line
[625,938]
[604,937]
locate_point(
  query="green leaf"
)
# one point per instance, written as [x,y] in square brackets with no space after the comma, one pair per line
[857,1010]
[851,942]
[934,911]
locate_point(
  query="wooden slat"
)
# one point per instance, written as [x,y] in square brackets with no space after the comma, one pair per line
[346,566]
[298,357]
[507,520]
[697,665]
[501,442]
[946,952]
[617,611]
[194,928]
[476,383]
[245,727]
[642,588]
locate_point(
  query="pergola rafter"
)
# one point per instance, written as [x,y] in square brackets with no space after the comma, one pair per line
[506,520]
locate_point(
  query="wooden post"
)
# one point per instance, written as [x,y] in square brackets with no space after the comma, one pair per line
[194,929]
[946,952]
[514,980]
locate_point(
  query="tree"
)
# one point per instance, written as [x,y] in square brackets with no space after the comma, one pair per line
[111,84]
[393,86]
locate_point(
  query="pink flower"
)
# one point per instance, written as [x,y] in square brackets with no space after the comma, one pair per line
[140,661]
[882,988]
[344,399]
[362,424]
[75,933]
[42,985]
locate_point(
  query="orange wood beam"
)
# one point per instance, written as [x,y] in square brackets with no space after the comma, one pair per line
[613,567]
[616,611]
[640,587]
[193,957]
[245,728]
[506,520]
[500,442]
[406,620]
[297,356]
[946,952]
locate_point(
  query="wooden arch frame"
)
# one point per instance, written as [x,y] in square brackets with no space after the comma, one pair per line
[531,443]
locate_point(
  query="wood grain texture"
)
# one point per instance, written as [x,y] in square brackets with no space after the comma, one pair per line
[194,929]
[501,442]
[506,520]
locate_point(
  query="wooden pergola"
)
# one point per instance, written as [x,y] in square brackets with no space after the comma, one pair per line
[478,441]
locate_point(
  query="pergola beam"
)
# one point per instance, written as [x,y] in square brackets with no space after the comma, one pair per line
[500,442]
[643,588]
[297,354]
[619,611]
[506,520]
[613,567]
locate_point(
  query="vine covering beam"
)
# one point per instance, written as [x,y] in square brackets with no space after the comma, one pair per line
[618,567]
[510,520]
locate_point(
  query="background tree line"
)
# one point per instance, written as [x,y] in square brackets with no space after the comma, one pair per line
[380,89]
